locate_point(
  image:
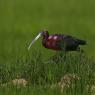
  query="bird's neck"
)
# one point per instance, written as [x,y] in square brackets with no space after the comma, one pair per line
[44,40]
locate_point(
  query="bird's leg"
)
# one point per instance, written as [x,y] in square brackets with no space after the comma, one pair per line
[64,51]
[80,50]
[64,54]
[62,45]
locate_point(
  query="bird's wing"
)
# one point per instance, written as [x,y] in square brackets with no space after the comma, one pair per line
[66,41]
[74,41]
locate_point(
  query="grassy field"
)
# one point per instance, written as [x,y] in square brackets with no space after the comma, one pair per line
[21,21]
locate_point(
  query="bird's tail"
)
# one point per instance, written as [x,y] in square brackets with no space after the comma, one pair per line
[81,42]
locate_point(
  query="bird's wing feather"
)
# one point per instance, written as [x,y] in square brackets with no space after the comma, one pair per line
[67,41]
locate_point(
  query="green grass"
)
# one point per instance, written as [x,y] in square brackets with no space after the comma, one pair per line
[42,74]
[21,21]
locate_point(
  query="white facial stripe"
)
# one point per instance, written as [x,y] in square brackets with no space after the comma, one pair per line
[55,37]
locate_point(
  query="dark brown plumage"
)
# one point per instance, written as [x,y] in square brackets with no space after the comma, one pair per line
[61,42]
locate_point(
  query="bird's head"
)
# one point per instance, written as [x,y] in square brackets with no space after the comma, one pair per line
[44,33]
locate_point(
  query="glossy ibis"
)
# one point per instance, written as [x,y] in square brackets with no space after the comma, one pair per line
[59,42]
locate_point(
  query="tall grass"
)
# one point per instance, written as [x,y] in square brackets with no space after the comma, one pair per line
[41,73]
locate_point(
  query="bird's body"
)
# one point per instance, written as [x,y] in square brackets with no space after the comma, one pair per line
[62,42]
[59,42]
[52,41]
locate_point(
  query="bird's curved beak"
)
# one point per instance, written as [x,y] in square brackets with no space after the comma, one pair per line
[33,41]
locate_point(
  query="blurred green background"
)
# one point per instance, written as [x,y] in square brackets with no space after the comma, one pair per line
[22,20]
